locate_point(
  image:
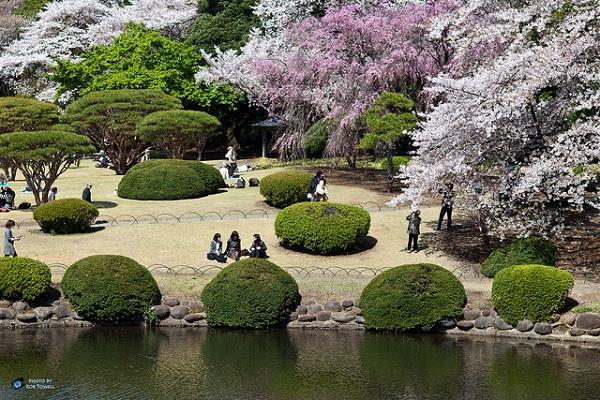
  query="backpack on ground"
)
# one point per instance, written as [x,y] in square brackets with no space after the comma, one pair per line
[241,183]
[253,182]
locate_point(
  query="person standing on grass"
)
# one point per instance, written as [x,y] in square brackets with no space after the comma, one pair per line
[10,239]
[414,230]
[52,195]
[234,246]
[259,248]
[231,157]
[87,193]
[447,205]
[216,249]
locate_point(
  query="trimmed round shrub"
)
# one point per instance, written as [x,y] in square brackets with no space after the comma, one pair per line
[531,250]
[170,180]
[251,293]
[322,227]
[65,216]
[109,289]
[413,296]
[397,161]
[533,292]
[285,188]
[23,278]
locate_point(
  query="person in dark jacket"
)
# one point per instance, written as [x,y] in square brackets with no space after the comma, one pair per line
[259,248]
[414,229]
[234,246]
[87,193]
[314,183]
[216,249]
[447,205]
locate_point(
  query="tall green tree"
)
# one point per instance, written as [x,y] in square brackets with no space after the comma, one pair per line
[140,58]
[225,24]
[42,156]
[388,119]
[23,114]
[177,131]
[110,119]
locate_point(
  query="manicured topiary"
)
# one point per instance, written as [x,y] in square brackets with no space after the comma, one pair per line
[23,278]
[65,216]
[531,250]
[107,288]
[322,227]
[252,293]
[285,188]
[533,292]
[413,296]
[170,180]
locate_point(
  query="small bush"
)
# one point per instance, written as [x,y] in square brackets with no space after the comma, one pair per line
[397,161]
[533,292]
[285,188]
[65,216]
[107,288]
[23,278]
[323,228]
[531,250]
[251,293]
[170,180]
[316,139]
[413,296]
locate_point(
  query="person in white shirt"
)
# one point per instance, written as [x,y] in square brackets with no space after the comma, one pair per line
[321,191]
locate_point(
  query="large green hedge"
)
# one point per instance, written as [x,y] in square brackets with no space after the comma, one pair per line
[65,216]
[170,180]
[23,278]
[533,292]
[531,250]
[283,189]
[322,227]
[251,293]
[108,288]
[397,161]
[413,296]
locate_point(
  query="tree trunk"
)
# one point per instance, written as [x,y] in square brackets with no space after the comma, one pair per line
[351,160]
[13,173]
[390,169]
[484,230]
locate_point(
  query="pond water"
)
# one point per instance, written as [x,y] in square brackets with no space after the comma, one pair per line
[134,363]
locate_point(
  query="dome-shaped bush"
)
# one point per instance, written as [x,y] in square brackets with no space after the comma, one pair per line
[531,250]
[65,216]
[413,296]
[252,293]
[23,278]
[533,292]
[107,288]
[322,227]
[170,180]
[282,189]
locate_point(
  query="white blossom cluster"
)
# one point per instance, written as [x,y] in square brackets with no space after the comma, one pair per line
[67,28]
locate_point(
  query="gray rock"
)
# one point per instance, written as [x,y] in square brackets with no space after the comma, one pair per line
[5,303]
[60,312]
[524,325]
[560,329]
[193,317]
[196,307]
[314,308]
[465,325]
[43,313]
[302,310]
[594,332]
[574,331]
[555,317]
[355,311]
[446,323]
[348,303]
[568,319]
[484,322]
[343,317]
[470,315]
[7,313]
[360,319]
[486,312]
[586,321]
[309,302]
[77,317]
[306,318]
[323,315]
[334,306]
[28,316]
[178,312]
[171,301]
[20,306]
[501,325]
[293,316]
[161,311]
[542,328]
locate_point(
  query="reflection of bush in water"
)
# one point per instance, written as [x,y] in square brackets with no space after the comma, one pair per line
[250,364]
[426,366]
[525,373]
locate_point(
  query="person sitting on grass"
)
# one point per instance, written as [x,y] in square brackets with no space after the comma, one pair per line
[414,229]
[321,191]
[234,246]
[216,249]
[259,248]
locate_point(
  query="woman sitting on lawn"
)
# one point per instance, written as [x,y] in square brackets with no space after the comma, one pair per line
[321,191]
[259,248]
[234,246]
[216,249]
